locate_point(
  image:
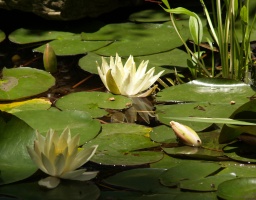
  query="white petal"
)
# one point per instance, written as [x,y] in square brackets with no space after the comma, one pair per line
[41,141]
[103,78]
[142,69]
[83,157]
[49,182]
[79,175]
[37,159]
[50,168]
[74,142]
[59,164]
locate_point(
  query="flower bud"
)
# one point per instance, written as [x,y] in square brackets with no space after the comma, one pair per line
[185,134]
[50,59]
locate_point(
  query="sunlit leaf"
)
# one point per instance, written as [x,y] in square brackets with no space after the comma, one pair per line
[93,102]
[24,82]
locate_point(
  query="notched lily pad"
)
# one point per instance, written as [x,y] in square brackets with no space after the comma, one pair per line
[125,149]
[67,47]
[93,102]
[17,83]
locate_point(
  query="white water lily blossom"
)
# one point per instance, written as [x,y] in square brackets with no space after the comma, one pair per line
[127,80]
[59,157]
[186,134]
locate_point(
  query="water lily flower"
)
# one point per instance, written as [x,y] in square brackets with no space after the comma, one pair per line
[127,80]
[186,134]
[59,157]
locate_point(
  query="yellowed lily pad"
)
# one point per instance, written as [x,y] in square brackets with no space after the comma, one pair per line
[32,104]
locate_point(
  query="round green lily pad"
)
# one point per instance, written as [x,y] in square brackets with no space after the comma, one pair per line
[93,102]
[240,188]
[22,82]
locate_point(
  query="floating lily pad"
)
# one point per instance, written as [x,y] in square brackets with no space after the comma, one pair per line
[67,47]
[139,39]
[161,61]
[26,36]
[22,82]
[113,128]
[209,90]
[125,149]
[207,184]
[15,162]
[163,134]
[240,188]
[33,104]
[194,152]
[168,61]
[2,36]
[66,190]
[144,179]
[79,122]
[190,170]
[202,98]
[93,102]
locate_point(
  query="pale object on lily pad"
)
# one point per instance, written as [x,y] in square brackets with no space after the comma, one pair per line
[127,80]
[59,157]
[185,134]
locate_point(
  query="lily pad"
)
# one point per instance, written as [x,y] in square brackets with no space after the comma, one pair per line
[202,98]
[2,36]
[190,170]
[163,134]
[240,188]
[93,102]
[15,162]
[138,39]
[207,184]
[144,179]
[79,122]
[125,149]
[67,47]
[193,152]
[26,36]
[167,61]
[208,90]
[22,82]
[167,113]
[77,190]
[32,104]
[88,62]
[113,128]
